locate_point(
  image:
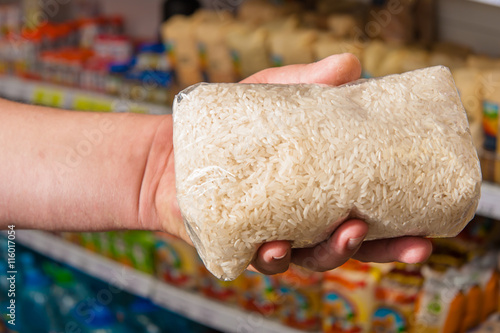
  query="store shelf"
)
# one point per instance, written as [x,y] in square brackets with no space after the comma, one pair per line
[489,205]
[488,2]
[189,304]
[29,91]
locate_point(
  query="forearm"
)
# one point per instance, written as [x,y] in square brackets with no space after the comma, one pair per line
[66,170]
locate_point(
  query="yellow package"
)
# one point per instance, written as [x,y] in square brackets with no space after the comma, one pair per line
[178,35]
[393,61]
[292,46]
[259,293]
[349,298]
[327,44]
[395,298]
[343,25]
[374,54]
[248,47]
[215,56]
[257,12]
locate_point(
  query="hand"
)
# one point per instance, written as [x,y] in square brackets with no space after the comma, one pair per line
[275,257]
[347,239]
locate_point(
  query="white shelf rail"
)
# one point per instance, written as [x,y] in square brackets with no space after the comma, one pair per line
[29,91]
[220,316]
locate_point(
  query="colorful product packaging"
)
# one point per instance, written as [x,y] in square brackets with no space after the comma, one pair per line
[224,291]
[260,293]
[441,304]
[301,298]
[176,262]
[395,298]
[349,298]
[119,248]
[140,249]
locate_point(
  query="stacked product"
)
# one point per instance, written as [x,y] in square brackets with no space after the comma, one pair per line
[91,53]
[221,47]
[54,298]
[457,290]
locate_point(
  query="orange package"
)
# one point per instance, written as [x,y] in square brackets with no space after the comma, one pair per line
[441,304]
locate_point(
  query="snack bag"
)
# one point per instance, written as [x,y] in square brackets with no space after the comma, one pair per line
[395,298]
[349,298]
[441,304]
[301,292]
[176,262]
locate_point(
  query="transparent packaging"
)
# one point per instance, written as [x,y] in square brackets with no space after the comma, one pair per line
[261,162]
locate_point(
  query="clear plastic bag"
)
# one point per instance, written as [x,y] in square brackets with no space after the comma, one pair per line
[256,163]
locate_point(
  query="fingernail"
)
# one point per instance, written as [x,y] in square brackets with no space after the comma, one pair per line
[354,243]
[280,257]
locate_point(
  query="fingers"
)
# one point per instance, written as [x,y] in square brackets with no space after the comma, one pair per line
[409,250]
[333,70]
[273,257]
[335,251]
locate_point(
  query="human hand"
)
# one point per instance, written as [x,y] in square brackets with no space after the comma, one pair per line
[275,257]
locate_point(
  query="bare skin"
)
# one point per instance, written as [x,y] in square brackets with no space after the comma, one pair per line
[78,171]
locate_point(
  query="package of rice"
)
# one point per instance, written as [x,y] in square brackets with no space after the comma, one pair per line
[261,162]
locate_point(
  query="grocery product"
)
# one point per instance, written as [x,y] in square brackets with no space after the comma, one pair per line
[374,54]
[176,262]
[395,298]
[349,298]
[140,250]
[36,308]
[300,301]
[468,81]
[396,151]
[491,104]
[441,304]
[343,25]
[257,12]
[326,45]
[214,51]
[179,37]
[289,47]
[248,47]
[259,292]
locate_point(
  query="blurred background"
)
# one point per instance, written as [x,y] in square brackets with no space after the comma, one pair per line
[134,56]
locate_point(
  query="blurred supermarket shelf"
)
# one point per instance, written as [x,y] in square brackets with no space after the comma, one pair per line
[189,304]
[43,93]
[489,205]
[488,2]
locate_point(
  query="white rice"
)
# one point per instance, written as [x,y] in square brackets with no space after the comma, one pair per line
[256,163]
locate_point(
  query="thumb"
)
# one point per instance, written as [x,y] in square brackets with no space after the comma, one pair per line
[333,70]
